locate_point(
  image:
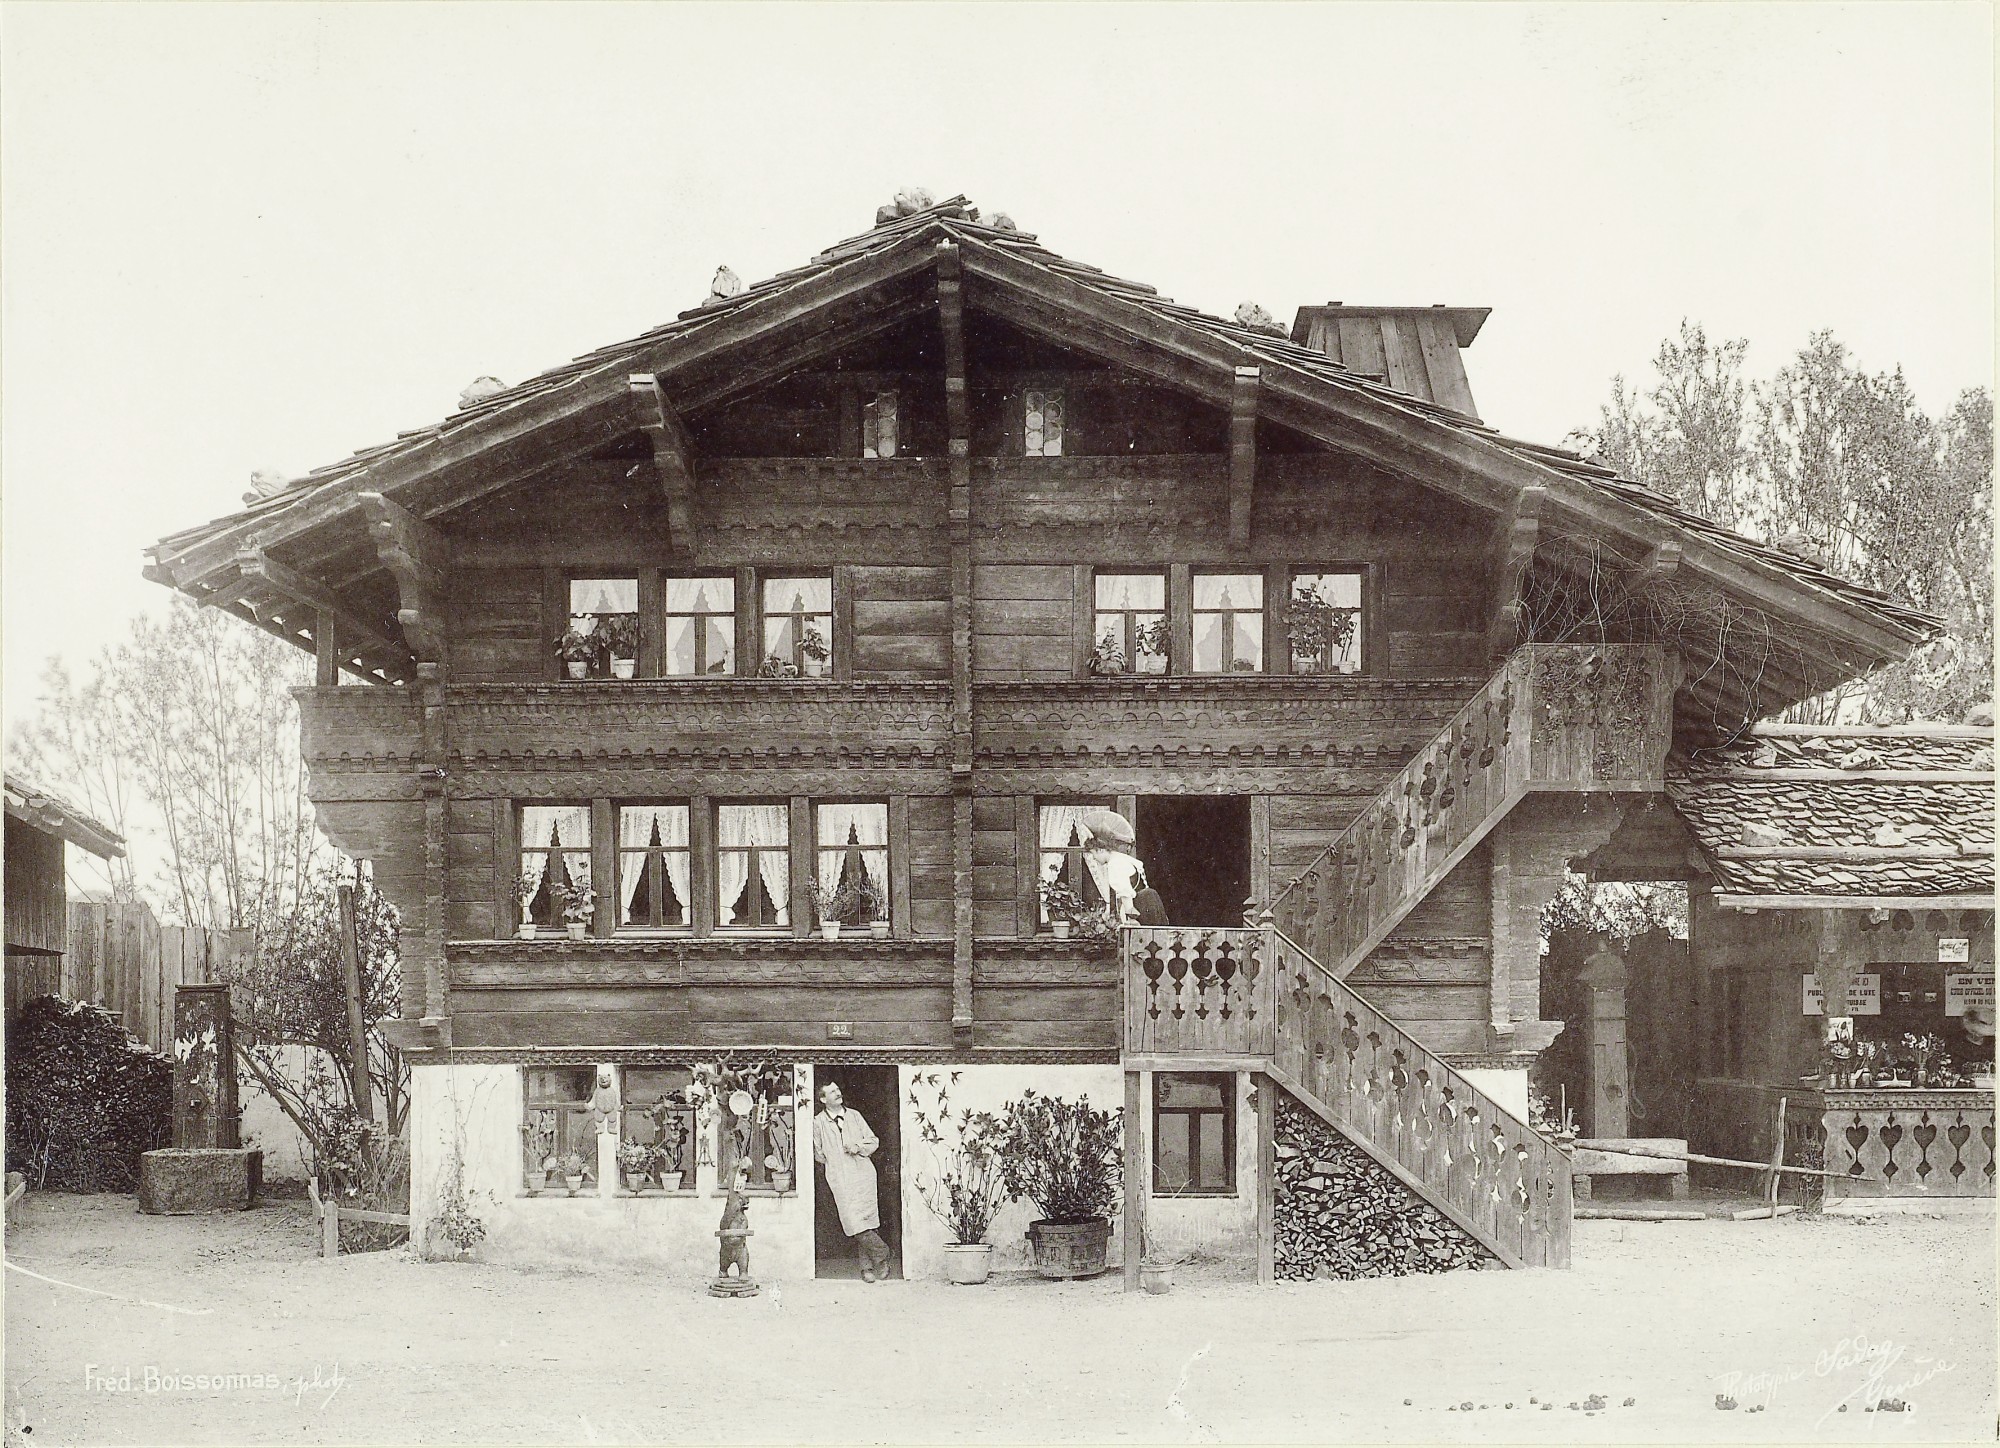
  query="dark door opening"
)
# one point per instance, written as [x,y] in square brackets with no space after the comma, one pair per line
[1196,850]
[870,1090]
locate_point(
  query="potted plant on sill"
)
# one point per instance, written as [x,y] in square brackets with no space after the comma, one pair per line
[777,667]
[1319,633]
[815,653]
[865,907]
[1094,923]
[1067,1158]
[1062,905]
[1107,659]
[833,905]
[572,1172]
[538,1141]
[525,890]
[621,642]
[635,1164]
[967,1187]
[1149,648]
[578,650]
[577,905]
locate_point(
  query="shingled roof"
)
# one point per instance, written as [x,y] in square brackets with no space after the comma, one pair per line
[1863,627]
[1853,817]
[50,813]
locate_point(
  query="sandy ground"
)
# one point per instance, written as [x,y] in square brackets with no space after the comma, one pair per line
[1795,1316]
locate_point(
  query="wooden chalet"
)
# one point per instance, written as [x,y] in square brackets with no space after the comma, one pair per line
[40,827]
[887,568]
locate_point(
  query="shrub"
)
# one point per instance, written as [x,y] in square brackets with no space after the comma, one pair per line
[84,1099]
[1065,1157]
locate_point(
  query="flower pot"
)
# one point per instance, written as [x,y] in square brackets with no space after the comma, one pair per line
[577,668]
[1070,1249]
[575,1184]
[637,1181]
[670,1181]
[527,930]
[538,1181]
[576,930]
[1061,928]
[1157,1277]
[623,668]
[781,1181]
[879,929]
[829,929]
[968,1263]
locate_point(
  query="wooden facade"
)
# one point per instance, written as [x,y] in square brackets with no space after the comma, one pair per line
[1052,429]
[39,827]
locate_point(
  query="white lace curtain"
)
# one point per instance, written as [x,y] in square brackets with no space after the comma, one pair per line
[565,826]
[1062,824]
[635,833]
[739,826]
[862,826]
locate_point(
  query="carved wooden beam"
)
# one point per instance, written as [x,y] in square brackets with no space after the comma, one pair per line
[1513,554]
[397,660]
[1242,453]
[958,427]
[1660,565]
[673,458]
[418,557]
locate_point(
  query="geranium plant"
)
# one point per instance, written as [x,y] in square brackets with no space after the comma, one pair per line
[1066,1157]
[1319,632]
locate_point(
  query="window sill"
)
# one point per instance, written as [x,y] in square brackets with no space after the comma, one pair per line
[688,1193]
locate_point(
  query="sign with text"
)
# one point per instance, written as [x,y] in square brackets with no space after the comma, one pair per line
[1864,996]
[1953,951]
[1968,988]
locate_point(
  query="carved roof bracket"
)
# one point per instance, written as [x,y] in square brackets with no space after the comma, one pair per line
[418,557]
[1517,537]
[673,458]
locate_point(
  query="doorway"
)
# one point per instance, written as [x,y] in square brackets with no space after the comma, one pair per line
[870,1090]
[1196,849]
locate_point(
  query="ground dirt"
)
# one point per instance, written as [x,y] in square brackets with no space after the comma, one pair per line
[1794,1317]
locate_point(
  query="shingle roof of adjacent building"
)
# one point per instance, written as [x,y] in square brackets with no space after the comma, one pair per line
[52,814]
[1845,815]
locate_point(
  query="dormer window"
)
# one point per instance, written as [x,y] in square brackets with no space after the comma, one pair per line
[602,640]
[878,426]
[1042,426]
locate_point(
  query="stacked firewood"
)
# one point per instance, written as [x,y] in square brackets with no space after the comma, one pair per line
[84,1098]
[1340,1214]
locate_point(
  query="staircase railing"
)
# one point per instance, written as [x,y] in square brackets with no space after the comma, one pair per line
[1196,992]
[1471,1158]
[1555,717]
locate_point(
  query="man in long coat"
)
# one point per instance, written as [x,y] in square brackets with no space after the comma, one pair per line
[844,1146]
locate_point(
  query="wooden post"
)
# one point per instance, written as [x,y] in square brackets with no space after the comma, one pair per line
[1777,1160]
[1136,1159]
[326,653]
[1267,1185]
[357,1030]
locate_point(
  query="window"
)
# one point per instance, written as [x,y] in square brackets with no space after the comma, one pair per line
[798,627]
[558,1134]
[1130,631]
[766,1135]
[1064,835]
[1194,1134]
[653,866]
[555,858]
[602,640]
[1323,623]
[656,1115]
[753,866]
[701,627]
[854,861]
[1228,623]
[1043,423]
[878,426]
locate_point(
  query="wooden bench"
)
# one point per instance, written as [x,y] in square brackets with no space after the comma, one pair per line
[1600,1156]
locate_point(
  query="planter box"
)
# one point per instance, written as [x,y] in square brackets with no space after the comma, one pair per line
[1070,1249]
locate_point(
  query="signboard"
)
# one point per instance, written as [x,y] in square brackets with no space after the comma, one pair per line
[1953,951]
[1864,996]
[1968,988]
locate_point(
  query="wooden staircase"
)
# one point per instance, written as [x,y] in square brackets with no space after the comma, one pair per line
[1270,997]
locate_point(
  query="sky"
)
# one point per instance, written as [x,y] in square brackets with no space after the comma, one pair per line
[240,237]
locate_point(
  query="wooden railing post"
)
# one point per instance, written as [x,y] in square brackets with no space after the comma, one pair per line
[1137,1158]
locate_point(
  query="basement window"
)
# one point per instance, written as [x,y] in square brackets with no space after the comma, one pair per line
[878,426]
[701,628]
[602,640]
[1042,425]
[657,1115]
[1194,1134]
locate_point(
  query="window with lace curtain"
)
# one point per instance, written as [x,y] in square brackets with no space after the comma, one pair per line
[1228,623]
[853,860]
[701,627]
[753,866]
[798,628]
[653,867]
[1063,840]
[555,854]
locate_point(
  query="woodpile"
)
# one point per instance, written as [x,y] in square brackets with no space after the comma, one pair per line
[1339,1214]
[84,1099]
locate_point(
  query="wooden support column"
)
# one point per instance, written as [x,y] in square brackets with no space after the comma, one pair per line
[1137,1165]
[958,428]
[326,653]
[805,860]
[429,958]
[1242,454]
[1513,554]
[673,459]
[1267,1179]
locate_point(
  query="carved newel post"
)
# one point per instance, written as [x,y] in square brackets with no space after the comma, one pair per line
[733,1242]
[1609,1094]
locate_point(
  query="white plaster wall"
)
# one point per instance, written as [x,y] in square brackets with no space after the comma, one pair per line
[480,1107]
[988,1088]
[1508,1087]
[264,1125]
[1223,1227]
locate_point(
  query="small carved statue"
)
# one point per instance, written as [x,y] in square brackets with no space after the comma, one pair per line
[733,1241]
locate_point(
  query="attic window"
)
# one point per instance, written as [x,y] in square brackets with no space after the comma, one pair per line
[1043,423]
[878,426]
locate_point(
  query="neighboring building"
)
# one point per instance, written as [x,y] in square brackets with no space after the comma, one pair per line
[39,825]
[895,568]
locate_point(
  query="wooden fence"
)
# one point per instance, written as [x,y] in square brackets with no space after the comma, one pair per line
[121,957]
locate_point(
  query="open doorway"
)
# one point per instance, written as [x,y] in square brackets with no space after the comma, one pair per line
[870,1090]
[1196,849]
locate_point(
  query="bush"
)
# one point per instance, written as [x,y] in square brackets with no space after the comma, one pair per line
[84,1099]
[1064,1157]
